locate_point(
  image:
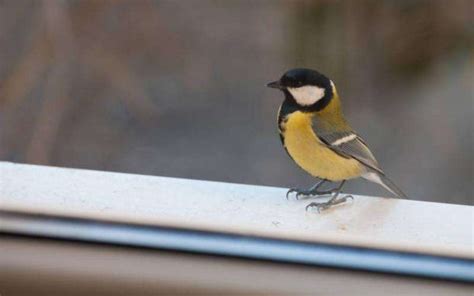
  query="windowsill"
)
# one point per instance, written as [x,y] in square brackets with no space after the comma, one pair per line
[261,214]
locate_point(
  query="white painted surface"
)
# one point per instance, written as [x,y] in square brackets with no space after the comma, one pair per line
[257,210]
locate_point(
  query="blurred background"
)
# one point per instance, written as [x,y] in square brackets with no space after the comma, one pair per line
[177,88]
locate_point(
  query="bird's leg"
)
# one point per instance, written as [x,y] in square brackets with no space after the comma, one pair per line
[331,202]
[313,191]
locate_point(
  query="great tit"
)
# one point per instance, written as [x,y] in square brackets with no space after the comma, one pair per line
[316,136]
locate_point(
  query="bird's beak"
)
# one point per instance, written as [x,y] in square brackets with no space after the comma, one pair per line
[275,84]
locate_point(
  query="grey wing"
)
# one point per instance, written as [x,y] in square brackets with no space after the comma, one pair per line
[348,144]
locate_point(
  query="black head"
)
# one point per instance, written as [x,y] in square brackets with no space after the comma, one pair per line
[300,77]
[309,89]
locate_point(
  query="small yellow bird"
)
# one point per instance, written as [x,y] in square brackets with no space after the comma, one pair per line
[317,137]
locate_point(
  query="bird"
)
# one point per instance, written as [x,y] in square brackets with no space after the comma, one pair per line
[316,135]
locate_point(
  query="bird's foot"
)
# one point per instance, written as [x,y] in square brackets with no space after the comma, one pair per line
[311,192]
[306,193]
[321,206]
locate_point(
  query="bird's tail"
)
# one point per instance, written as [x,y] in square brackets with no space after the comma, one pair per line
[386,183]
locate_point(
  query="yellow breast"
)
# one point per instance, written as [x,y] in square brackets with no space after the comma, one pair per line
[312,155]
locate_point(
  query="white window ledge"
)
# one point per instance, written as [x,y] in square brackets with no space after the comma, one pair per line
[252,211]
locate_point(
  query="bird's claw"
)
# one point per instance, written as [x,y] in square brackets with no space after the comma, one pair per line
[300,193]
[291,191]
[321,206]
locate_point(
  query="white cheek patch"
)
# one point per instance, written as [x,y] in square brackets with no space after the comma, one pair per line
[307,95]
